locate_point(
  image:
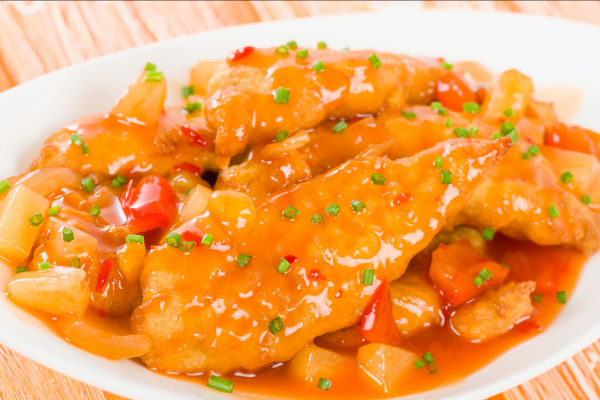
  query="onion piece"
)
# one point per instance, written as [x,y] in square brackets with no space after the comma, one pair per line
[292,143]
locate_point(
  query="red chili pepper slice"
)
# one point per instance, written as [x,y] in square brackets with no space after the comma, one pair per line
[377,321]
[402,198]
[103,274]
[238,54]
[317,275]
[150,205]
[197,140]
[453,91]
[290,258]
[190,236]
[188,167]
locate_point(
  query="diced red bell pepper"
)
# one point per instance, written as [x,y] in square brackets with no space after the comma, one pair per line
[197,140]
[150,205]
[190,236]
[316,275]
[290,258]
[105,268]
[573,138]
[238,54]
[185,166]
[455,266]
[377,321]
[453,91]
[402,198]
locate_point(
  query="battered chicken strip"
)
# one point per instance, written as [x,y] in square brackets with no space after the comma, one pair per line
[205,311]
[495,312]
[265,92]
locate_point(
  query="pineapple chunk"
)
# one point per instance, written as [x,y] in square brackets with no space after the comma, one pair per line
[386,365]
[201,74]
[312,363]
[83,246]
[511,90]
[131,261]
[194,205]
[234,208]
[143,102]
[17,235]
[59,290]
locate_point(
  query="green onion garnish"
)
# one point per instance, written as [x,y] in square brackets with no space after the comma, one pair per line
[22,269]
[76,139]
[472,108]
[408,114]
[322,45]
[318,66]
[507,127]
[324,384]
[207,240]
[436,105]
[4,186]
[448,122]
[193,107]
[154,76]
[485,274]
[538,297]
[118,181]
[333,209]
[283,50]
[302,54]
[526,156]
[586,199]
[150,67]
[378,179]
[189,192]
[283,266]
[472,130]
[316,219]
[95,211]
[561,297]
[340,126]
[534,150]
[220,384]
[478,281]
[135,239]
[290,212]
[418,364]
[173,239]
[36,219]
[367,276]
[446,177]
[87,185]
[375,62]
[496,136]
[85,149]
[461,133]
[292,45]
[513,136]
[504,265]
[187,246]
[488,233]
[282,95]
[430,361]
[68,235]
[553,211]
[447,66]
[276,326]
[345,48]
[357,205]
[281,135]
[438,163]
[187,91]
[75,263]
[244,260]
[46,265]
[566,177]
[509,112]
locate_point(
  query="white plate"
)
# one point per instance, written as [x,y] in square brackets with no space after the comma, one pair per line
[552,51]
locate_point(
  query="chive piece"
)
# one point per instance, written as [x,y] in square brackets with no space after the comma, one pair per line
[418,364]
[292,45]
[488,233]
[378,179]
[324,384]
[367,276]
[22,269]
[526,156]
[428,358]
[513,135]
[340,126]
[302,54]
[244,260]
[322,45]
[282,50]
[446,177]
[318,66]
[76,139]
[472,108]
[4,186]
[408,114]
[461,133]
[118,181]
[53,211]
[357,205]
[67,235]
[95,211]
[478,281]
[135,239]
[509,112]
[566,177]
[189,192]
[44,266]
[561,297]
[333,209]
[534,150]
[436,105]
[281,135]
[187,246]
[87,185]
[283,266]
[505,265]
[507,127]
[75,263]
[538,297]
[187,91]
[446,66]
[150,67]
[36,219]
[276,326]
[485,274]
[85,149]
[586,199]
[220,384]
[443,112]
[173,239]
[472,130]
[448,122]
[317,219]
[207,240]
[282,95]
[496,136]
[553,211]
[154,76]
[375,61]
[193,107]
[290,212]
[438,163]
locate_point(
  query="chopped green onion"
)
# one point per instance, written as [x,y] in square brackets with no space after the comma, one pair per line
[488,233]
[534,150]
[446,177]
[438,163]
[22,269]
[333,209]
[375,62]
[290,212]
[187,246]
[207,240]
[53,211]
[448,123]
[509,112]
[76,139]
[461,133]
[118,181]
[526,156]
[87,185]
[496,136]
[428,358]
[276,326]
[538,297]
[322,45]
[187,91]
[283,266]
[378,179]
[513,135]
[418,364]
[68,235]
[408,114]
[357,205]
[154,76]
[190,192]
[340,126]
[504,265]
[367,276]
[446,66]
[95,211]
[220,384]
[507,127]
[281,135]
[318,66]
[75,263]
[478,281]
[317,219]
[553,211]
[292,45]
[472,130]
[345,48]
[150,67]
[4,186]
[566,177]
[586,199]
[324,384]
[472,108]
[36,219]
[436,105]
[561,297]
[193,107]
[282,95]
[173,239]
[443,112]
[283,50]
[302,54]
[244,260]
[485,274]
[44,266]
[85,149]
[135,239]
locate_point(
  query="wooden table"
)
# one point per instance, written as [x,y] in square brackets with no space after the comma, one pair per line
[38,37]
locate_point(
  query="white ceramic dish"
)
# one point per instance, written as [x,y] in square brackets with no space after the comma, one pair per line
[551,51]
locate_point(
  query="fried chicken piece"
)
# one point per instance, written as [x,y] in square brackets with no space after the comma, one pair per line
[495,312]
[203,311]
[264,92]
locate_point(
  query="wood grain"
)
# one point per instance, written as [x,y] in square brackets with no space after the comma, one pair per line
[39,37]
